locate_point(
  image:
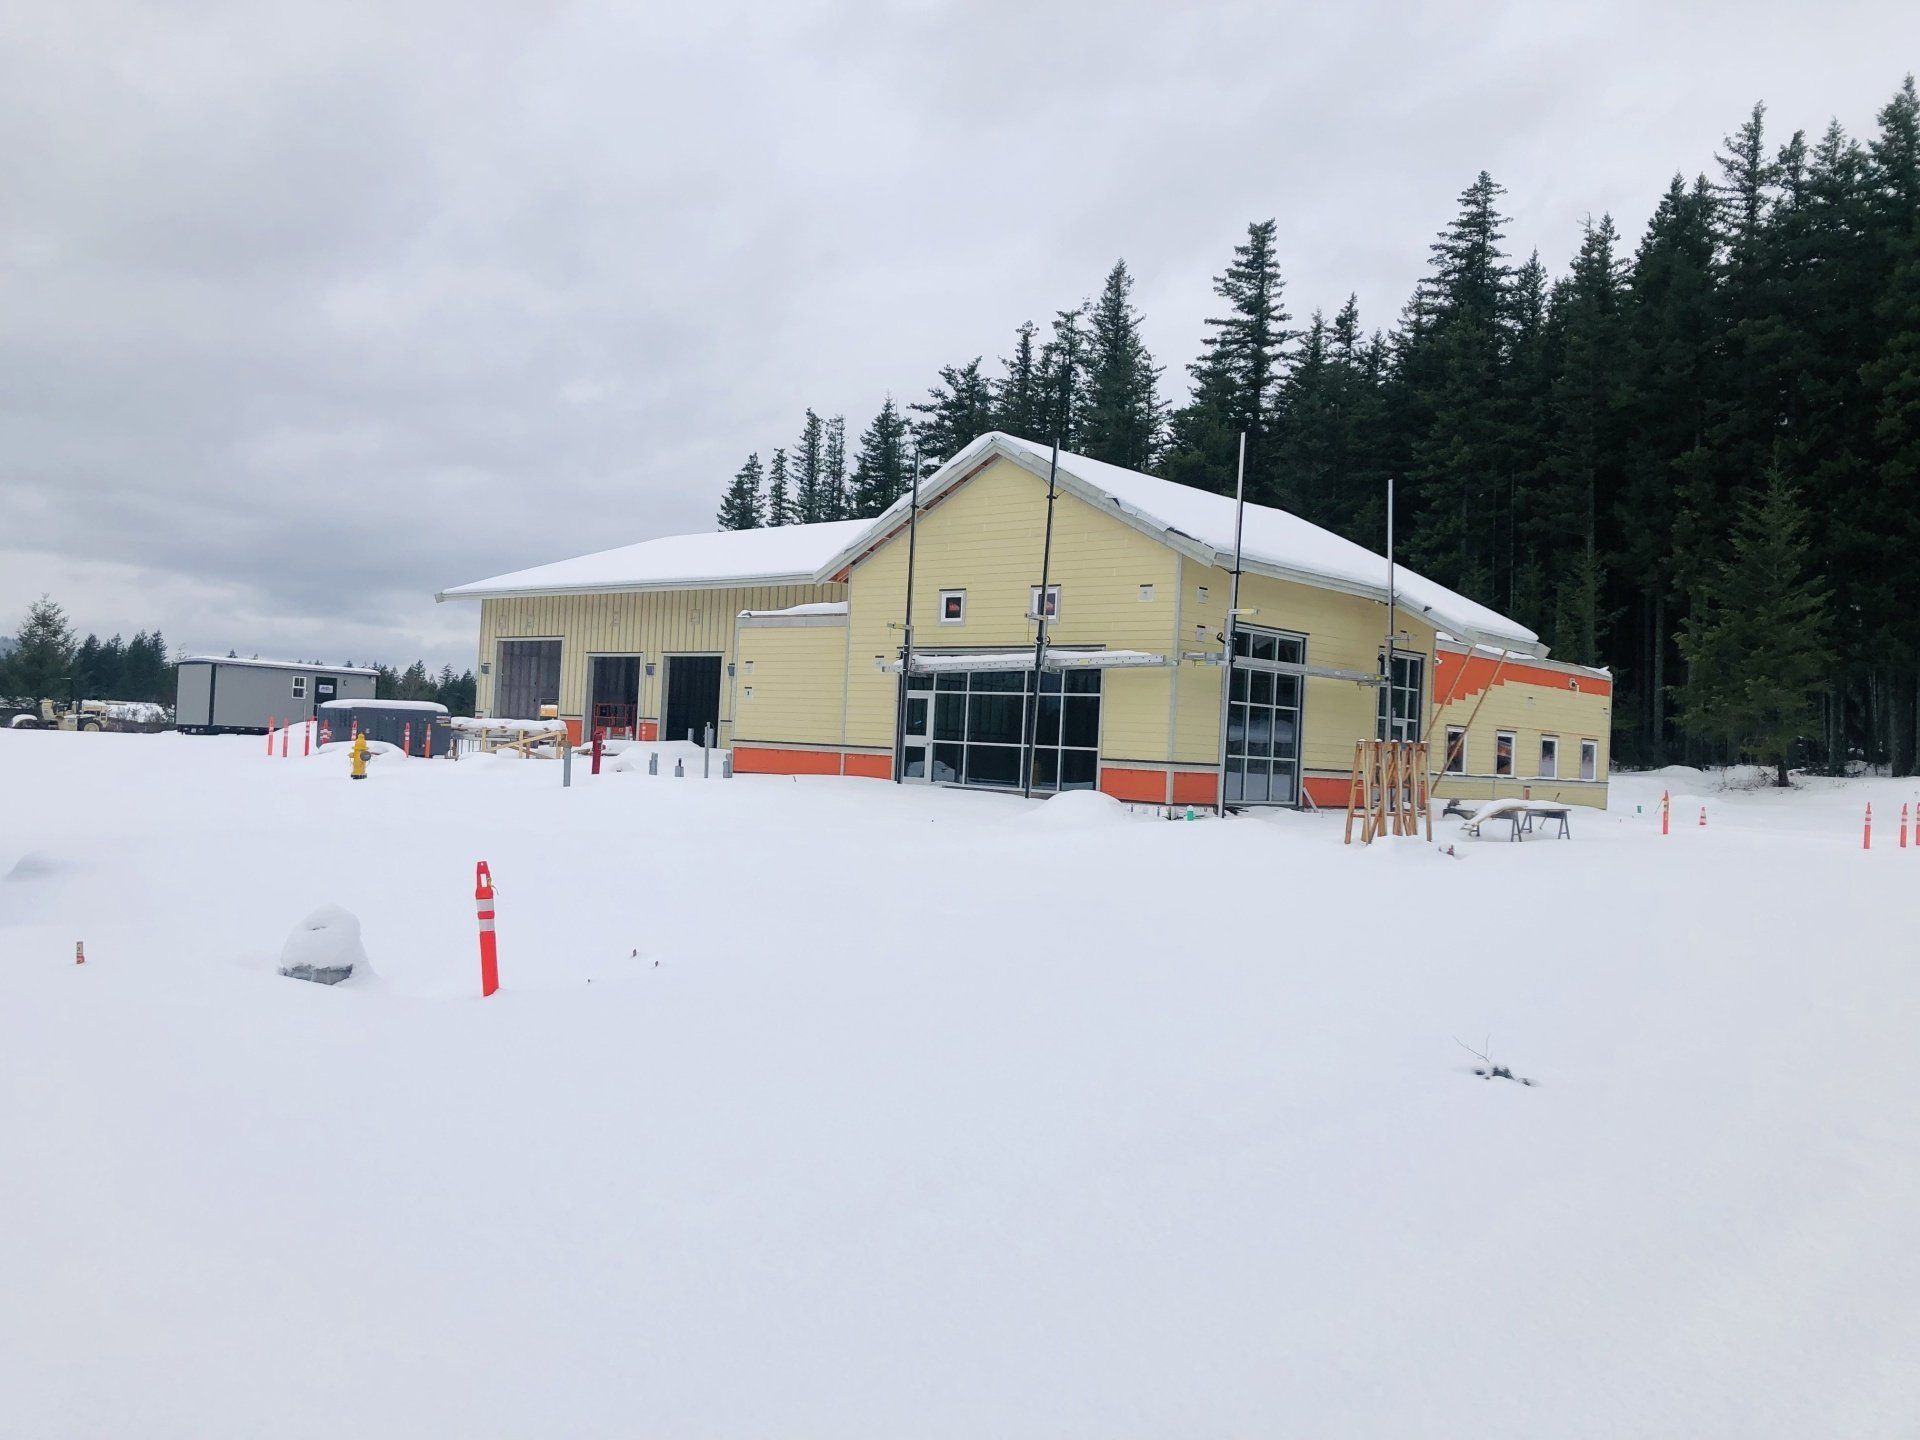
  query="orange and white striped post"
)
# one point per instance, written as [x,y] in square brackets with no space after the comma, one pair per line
[1666,805]
[1903,825]
[1866,829]
[483,903]
[271,722]
[1703,817]
[406,738]
[79,952]
[306,738]
[427,749]
[286,738]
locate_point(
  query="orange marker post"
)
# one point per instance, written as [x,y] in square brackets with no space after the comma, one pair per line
[483,903]
[406,739]
[286,738]
[1903,826]
[1666,805]
[427,750]
[79,952]
[1866,829]
[1703,817]
[270,727]
[306,738]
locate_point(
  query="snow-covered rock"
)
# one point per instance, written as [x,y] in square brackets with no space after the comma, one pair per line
[325,947]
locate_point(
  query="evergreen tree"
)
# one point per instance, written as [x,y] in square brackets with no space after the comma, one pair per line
[1237,378]
[809,472]
[740,507]
[40,665]
[834,497]
[1121,424]
[955,413]
[1063,363]
[881,472]
[1756,645]
[780,504]
[1020,397]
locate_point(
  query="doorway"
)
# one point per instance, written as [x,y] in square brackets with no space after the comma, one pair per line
[693,696]
[613,695]
[916,730]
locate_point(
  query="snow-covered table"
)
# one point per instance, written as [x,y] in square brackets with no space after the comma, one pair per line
[1522,814]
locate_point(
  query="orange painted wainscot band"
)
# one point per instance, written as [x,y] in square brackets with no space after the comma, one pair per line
[778,760]
[1149,787]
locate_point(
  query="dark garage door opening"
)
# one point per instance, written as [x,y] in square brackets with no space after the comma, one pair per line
[529,678]
[693,696]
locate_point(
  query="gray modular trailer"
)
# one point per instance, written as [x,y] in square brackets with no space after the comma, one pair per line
[217,695]
[420,725]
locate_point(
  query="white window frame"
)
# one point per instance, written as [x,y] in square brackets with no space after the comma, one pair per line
[1545,773]
[1033,603]
[1589,759]
[1512,739]
[299,687]
[1455,761]
[961,596]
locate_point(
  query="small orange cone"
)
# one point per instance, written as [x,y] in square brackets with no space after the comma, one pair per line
[1703,817]
[1665,807]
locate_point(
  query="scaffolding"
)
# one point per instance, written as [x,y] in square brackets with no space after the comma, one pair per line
[1388,792]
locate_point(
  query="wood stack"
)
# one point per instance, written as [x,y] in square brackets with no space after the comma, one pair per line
[1388,790]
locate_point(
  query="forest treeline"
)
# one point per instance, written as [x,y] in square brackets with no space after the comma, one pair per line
[49,661]
[1694,458]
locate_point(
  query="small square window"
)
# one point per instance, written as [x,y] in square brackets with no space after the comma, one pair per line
[1203,594]
[1053,602]
[1503,752]
[953,607]
[1146,592]
[299,687]
[747,691]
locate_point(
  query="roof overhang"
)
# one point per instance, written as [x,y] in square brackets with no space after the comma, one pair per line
[709,582]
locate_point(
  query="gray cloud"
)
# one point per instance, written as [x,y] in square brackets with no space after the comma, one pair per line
[313,310]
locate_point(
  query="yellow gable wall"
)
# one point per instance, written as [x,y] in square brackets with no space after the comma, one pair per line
[985,537]
[1529,709]
[650,623]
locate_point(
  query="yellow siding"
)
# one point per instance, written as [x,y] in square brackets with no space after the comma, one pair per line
[1530,710]
[1344,632]
[986,537]
[791,684]
[650,623]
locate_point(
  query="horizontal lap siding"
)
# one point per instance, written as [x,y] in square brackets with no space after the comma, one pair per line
[650,623]
[1542,704]
[797,676]
[986,537]
[1344,632]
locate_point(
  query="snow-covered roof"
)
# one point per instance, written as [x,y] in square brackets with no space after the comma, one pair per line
[432,705]
[785,554]
[1275,542]
[311,669]
[818,607]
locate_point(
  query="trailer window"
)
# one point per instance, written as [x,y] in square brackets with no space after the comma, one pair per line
[1589,759]
[1503,752]
[1549,757]
[299,687]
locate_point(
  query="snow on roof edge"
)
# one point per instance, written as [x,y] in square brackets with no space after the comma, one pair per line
[275,664]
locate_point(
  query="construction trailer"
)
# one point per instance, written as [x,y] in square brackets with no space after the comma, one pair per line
[219,695]
[420,727]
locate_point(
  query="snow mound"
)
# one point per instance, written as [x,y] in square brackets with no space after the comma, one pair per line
[1079,810]
[34,865]
[325,947]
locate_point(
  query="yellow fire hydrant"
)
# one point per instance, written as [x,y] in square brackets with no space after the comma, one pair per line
[359,771]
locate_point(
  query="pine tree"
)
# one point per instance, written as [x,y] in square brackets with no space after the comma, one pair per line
[833,478]
[1236,381]
[40,665]
[780,505]
[1756,645]
[1121,424]
[1063,364]
[809,472]
[1020,398]
[881,471]
[740,507]
[955,413]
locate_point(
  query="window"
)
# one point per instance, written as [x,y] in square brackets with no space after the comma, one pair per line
[1549,757]
[953,607]
[1200,593]
[1146,592]
[1503,752]
[1456,749]
[1263,719]
[1408,671]
[1053,602]
[1589,759]
[299,687]
[979,728]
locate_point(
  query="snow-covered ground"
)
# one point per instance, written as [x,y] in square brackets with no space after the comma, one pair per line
[821,1108]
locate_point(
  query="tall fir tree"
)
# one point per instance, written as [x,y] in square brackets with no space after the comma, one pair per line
[40,665]
[780,503]
[1121,424]
[881,471]
[741,508]
[834,471]
[1020,396]
[808,463]
[1063,364]
[956,412]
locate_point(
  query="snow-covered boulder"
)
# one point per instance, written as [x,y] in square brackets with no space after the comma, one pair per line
[325,948]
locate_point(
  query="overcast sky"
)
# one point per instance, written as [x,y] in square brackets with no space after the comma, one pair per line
[312,310]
